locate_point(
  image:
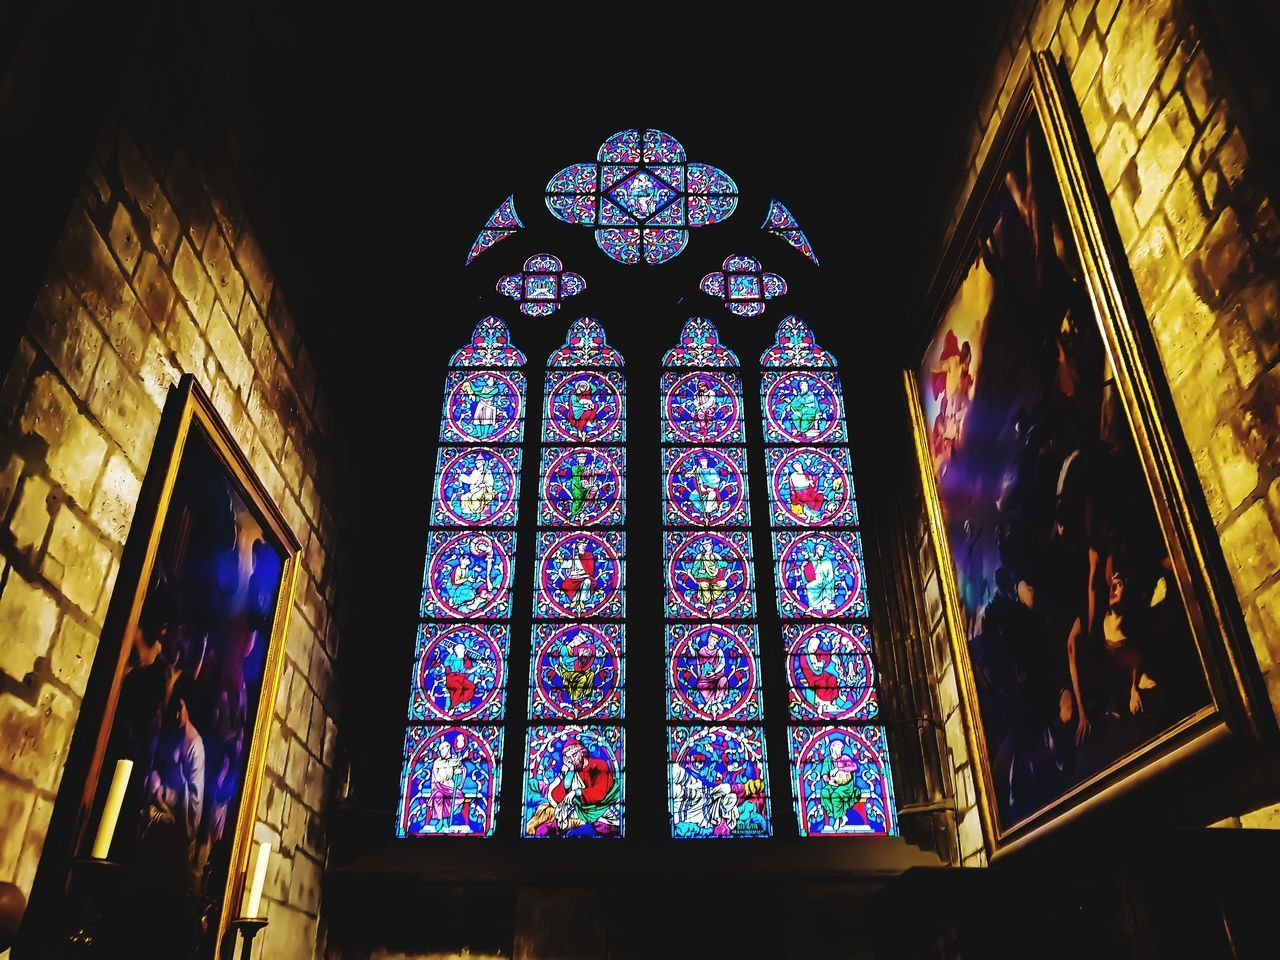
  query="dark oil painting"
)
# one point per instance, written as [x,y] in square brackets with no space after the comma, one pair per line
[1079,642]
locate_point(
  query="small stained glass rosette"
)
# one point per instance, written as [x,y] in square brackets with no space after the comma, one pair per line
[744,285]
[541,286]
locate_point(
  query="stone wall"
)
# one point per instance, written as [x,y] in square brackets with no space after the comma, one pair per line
[159,272]
[1202,238]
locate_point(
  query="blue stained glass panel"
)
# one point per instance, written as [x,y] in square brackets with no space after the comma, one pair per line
[830,672]
[585,345]
[476,486]
[802,407]
[713,672]
[699,346]
[450,781]
[709,574]
[841,783]
[580,575]
[810,486]
[574,782]
[584,406]
[582,486]
[717,782]
[468,574]
[489,346]
[459,672]
[578,671]
[701,407]
[705,486]
[819,574]
[485,406]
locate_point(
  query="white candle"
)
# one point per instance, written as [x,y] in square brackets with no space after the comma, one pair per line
[111,810]
[254,899]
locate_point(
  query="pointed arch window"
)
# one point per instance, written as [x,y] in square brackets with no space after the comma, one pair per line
[838,754]
[450,779]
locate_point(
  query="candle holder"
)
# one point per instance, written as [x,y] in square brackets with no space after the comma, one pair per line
[246,929]
[91,884]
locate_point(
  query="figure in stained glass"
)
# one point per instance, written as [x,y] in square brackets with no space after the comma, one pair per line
[468,574]
[717,783]
[573,782]
[476,486]
[819,574]
[459,672]
[483,405]
[449,784]
[810,486]
[582,486]
[709,575]
[584,407]
[705,486]
[713,672]
[802,407]
[577,671]
[701,408]
[829,671]
[580,575]
[840,781]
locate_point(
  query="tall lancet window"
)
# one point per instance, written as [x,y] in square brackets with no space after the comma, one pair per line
[717,777]
[839,757]
[457,702]
[574,757]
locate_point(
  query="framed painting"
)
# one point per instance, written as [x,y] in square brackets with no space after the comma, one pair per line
[1094,628]
[184,687]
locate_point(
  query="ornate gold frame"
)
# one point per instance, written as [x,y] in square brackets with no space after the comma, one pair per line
[188,408]
[1236,688]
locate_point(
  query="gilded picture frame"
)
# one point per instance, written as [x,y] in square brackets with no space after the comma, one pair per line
[202,592]
[974,552]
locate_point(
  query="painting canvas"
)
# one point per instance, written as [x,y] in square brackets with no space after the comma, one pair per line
[192,703]
[1081,652]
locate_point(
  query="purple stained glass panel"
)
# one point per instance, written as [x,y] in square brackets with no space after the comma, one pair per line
[802,406]
[476,486]
[580,575]
[841,784]
[819,573]
[717,782]
[584,406]
[705,486]
[830,672]
[484,406]
[468,574]
[574,782]
[450,780]
[701,407]
[582,486]
[459,672]
[577,671]
[709,574]
[810,487]
[713,672]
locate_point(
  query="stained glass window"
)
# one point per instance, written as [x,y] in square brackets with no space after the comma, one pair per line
[541,285]
[502,223]
[781,223]
[453,745]
[744,285]
[839,758]
[642,196]
[574,755]
[717,776]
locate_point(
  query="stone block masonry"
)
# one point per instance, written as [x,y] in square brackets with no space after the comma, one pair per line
[158,273]
[1202,238]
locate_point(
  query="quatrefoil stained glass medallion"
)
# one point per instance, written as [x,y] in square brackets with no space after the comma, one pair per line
[744,285]
[541,285]
[642,196]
